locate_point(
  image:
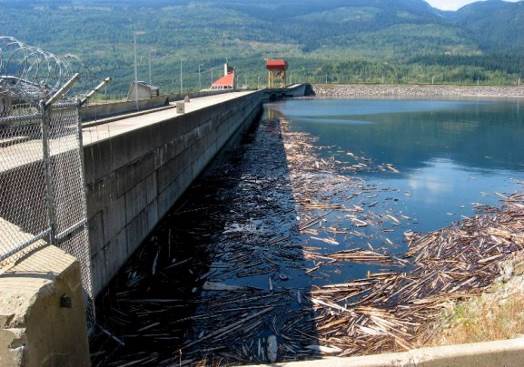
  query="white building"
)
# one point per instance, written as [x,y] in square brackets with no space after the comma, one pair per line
[144,90]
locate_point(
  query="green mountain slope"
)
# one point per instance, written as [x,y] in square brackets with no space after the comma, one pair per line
[495,25]
[343,40]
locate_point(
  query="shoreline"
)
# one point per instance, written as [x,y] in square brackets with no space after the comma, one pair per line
[417,91]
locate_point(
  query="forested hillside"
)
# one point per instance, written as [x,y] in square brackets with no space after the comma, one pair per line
[338,40]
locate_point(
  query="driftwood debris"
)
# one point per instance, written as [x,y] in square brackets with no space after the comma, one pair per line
[241,273]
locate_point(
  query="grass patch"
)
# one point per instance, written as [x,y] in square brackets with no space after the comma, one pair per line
[491,316]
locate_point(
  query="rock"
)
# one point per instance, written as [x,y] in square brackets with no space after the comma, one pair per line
[272,348]
[323,349]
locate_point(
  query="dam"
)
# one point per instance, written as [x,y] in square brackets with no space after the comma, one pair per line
[136,168]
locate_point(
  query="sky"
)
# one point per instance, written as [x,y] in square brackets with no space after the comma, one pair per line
[452,4]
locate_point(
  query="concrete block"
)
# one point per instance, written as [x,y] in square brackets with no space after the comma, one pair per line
[135,231]
[98,270]
[185,178]
[114,217]
[99,193]
[140,196]
[42,312]
[167,132]
[194,120]
[152,215]
[115,253]
[95,226]
[180,107]
[167,198]
[134,172]
[98,160]
[197,149]
[168,173]
[131,146]
[139,227]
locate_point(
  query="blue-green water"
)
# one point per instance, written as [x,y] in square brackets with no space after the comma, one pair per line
[451,156]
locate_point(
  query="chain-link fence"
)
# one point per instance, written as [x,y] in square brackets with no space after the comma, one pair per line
[42,190]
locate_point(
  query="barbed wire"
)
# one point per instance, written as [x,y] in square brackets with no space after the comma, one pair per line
[29,74]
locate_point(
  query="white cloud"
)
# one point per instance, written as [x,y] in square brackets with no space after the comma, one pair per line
[453,4]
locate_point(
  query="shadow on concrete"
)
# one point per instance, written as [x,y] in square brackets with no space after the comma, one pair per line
[223,275]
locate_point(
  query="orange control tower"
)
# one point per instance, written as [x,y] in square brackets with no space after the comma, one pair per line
[276,77]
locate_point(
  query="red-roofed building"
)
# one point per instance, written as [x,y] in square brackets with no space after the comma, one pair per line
[228,81]
[276,73]
[276,64]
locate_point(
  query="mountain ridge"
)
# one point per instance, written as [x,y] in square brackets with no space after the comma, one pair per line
[366,37]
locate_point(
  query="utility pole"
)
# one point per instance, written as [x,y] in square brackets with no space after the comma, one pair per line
[136,33]
[181,78]
[199,77]
[150,72]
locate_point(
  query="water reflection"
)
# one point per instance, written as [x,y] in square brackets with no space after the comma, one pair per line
[451,155]
[412,133]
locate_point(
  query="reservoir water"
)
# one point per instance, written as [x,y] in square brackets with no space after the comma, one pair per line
[451,157]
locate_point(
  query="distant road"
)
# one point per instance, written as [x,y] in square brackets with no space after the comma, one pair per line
[415,91]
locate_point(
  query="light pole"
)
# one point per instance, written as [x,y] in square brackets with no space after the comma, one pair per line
[181,78]
[150,72]
[136,33]
[200,77]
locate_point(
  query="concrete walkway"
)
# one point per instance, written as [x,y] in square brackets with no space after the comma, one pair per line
[16,155]
[126,124]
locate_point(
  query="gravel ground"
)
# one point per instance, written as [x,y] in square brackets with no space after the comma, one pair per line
[416,91]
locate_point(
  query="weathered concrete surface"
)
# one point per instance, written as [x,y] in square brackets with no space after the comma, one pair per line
[137,168]
[503,353]
[42,314]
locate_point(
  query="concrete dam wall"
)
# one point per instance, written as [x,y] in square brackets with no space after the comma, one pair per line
[135,177]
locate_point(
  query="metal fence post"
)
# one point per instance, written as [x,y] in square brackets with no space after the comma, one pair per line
[49,191]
